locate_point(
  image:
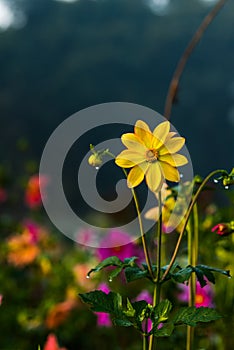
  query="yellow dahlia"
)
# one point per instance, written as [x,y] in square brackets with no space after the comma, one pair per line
[151,154]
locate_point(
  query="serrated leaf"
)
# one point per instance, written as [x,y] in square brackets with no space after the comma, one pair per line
[102,302]
[206,268]
[165,331]
[182,275]
[111,261]
[192,315]
[123,322]
[200,276]
[134,273]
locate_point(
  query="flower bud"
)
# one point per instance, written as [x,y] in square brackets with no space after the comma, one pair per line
[95,160]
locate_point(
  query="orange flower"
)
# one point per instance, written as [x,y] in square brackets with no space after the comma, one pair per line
[52,343]
[21,250]
[59,313]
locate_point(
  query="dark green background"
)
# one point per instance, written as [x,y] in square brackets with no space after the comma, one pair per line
[70,56]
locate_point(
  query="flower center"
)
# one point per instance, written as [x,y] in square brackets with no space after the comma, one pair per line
[151,155]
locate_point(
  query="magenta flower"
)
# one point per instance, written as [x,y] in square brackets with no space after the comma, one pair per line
[103,319]
[33,229]
[118,243]
[145,295]
[204,296]
[224,229]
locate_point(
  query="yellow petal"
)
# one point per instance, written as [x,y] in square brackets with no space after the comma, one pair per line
[174,159]
[142,130]
[173,145]
[128,159]
[170,135]
[160,134]
[136,175]
[133,142]
[152,214]
[169,172]
[154,177]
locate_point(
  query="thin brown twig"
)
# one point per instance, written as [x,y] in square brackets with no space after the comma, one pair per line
[174,84]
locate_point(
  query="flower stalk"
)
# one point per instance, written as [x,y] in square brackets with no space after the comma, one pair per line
[193,202]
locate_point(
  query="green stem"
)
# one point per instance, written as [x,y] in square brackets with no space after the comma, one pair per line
[157,282]
[144,342]
[192,260]
[204,182]
[145,249]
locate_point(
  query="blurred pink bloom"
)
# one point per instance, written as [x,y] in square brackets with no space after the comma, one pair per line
[86,237]
[52,343]
[3,195]
[204,296]
[103,319]
[33,229]
[1,297]
[32,193]
[118,243]
[145,295]
[224,229]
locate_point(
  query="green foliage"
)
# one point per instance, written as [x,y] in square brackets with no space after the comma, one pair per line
[133,314]
[192,315]
[114,261]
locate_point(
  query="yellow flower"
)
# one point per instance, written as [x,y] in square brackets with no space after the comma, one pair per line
[151,154]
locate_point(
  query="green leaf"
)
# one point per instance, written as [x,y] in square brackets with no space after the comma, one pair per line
[135,273]
[122,322]
[114,261]
[200,276]
[182,275]
[165,331]
[111,261]
[207,269]
[192,315]
[101,302]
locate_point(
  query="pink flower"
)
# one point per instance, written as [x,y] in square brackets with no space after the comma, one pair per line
[117,243]
[33,230]
[1,297]
[204,296]
[52,343]
[145,295]
[103,319]
[224,229]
